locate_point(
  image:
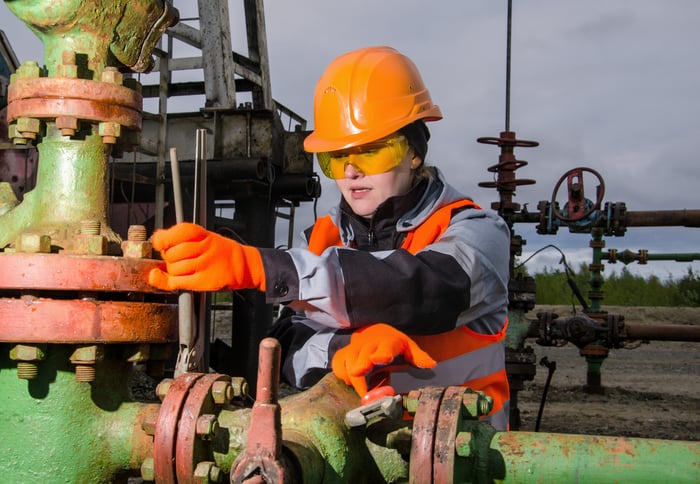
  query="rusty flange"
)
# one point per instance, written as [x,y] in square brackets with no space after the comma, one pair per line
[55,298]
[423,434]
[50,98]
[197,427]
[75,272]
[42,320]
[165,439]
[448,425]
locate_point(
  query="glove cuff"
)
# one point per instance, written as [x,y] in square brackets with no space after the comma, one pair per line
[256,269]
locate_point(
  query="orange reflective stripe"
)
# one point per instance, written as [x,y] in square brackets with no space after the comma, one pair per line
[432,228]
[324,234]
[450,344]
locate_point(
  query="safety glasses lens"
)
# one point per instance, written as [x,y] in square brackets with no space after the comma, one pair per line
[371,158]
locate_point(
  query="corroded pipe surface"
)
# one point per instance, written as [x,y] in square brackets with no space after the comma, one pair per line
[541,457]
[662,332]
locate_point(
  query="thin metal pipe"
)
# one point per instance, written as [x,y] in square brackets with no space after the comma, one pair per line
[177,186]
[508,53]
[185,299]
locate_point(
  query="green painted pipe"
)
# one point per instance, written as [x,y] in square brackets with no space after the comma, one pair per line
[125,29]
[544,458]
[314,432]
[56,429]
[71,186]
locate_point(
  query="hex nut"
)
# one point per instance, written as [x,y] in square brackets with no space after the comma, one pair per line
[240,386]
[470,404]
[90,244]
[86,355]
[109,131]
[68,125]
[207,472]
[27,353]
[148,469]
[33,243]
[112,76]
[28,70]
[222,392]
[163,387]
[411,401]
[137,250]
[463,444]
[28,127]
[206,427]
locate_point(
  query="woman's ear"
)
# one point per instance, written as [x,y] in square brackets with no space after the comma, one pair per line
[416,162]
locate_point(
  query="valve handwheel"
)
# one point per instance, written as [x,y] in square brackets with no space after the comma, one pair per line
[578,206]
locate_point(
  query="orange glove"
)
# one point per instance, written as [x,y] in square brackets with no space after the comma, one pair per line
[199,260]
[372,348]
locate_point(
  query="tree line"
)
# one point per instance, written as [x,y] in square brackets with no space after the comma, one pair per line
[620,288]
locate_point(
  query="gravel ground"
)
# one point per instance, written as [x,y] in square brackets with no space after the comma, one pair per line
[652,391]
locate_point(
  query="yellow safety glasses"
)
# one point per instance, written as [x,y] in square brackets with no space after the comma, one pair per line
[371,158]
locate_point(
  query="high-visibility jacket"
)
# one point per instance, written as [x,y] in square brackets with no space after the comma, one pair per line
[464,357]
[440,274]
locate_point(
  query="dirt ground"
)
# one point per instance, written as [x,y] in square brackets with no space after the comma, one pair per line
[652,391]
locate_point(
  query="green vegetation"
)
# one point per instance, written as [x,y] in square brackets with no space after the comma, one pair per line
[620,289]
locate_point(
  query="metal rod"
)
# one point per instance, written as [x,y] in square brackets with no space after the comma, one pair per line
[508,51]
[177,186]
[185,299]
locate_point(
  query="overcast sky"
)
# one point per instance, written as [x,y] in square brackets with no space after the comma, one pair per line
[609,85]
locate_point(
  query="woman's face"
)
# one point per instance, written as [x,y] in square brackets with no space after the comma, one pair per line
[364,193]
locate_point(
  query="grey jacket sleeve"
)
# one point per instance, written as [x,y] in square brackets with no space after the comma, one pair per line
[460,279]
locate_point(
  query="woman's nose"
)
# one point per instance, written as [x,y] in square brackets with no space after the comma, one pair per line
[351,171]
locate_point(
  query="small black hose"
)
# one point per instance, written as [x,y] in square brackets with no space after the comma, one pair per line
[551,367]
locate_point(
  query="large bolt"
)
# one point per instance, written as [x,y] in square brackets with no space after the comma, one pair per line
[89,241]
[28,127]
[15,135]
[485,404]
[206,473]
[148,469]
[137,246]
[463,444]
[33,243]
[163,387]
[112,76]
[28,70]
[90,227]
[26,353]
[222,392]
[68,67]
[68,125]
[411,401]
[207,426]
[109,131]
[240,386]
[148,423]
[26,357]
[476,404]
[84,359]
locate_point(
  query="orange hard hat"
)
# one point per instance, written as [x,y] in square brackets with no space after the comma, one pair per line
[365,95]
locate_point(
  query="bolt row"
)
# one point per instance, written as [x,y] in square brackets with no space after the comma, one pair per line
[25,129]
[83,358]
[89,241]
[206,428]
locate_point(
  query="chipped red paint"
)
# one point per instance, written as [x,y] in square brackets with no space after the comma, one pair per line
[75,272]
